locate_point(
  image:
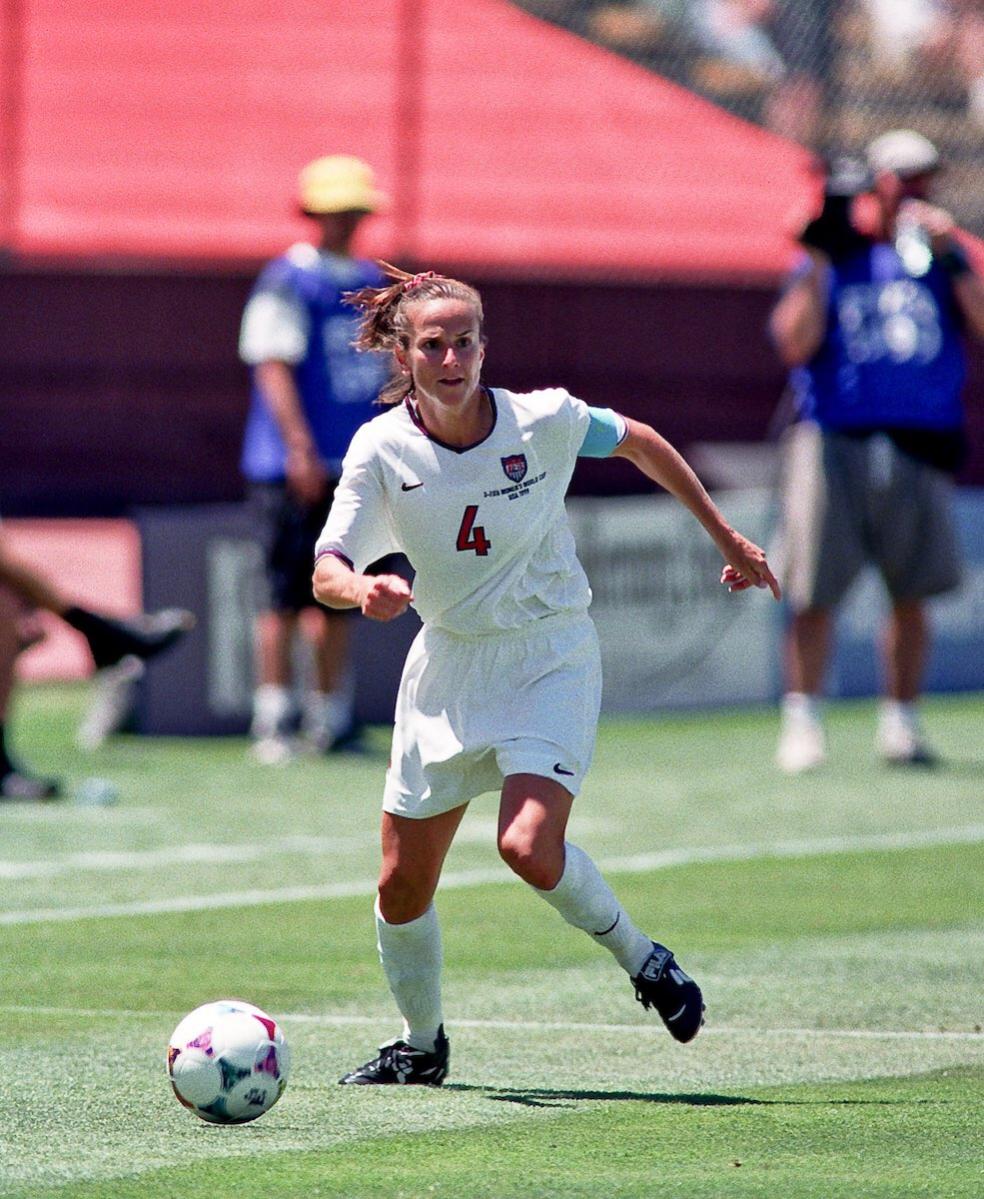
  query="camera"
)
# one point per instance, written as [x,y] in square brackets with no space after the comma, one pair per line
[845,177]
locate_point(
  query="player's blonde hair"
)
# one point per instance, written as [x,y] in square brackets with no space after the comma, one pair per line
[386,323]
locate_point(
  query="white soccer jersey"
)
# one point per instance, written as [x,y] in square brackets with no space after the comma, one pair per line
[484,527]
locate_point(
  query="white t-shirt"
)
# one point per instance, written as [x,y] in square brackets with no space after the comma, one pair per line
[484,527]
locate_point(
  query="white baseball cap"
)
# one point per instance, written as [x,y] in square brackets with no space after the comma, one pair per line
[903,152]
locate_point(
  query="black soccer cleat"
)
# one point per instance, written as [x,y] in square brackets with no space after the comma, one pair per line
[663,985]
[143,636]
[400,1065]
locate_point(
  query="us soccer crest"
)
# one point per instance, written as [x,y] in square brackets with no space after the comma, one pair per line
[515,467]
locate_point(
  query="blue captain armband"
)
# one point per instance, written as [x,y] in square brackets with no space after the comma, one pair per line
[606,432]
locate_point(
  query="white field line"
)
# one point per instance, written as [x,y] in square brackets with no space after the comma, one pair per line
[117,861]
[206,853]
[634,864]
[344,1021]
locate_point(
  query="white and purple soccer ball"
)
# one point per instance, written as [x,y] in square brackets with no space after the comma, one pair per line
[228,1062]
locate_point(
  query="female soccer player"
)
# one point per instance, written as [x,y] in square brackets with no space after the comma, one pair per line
[501,688]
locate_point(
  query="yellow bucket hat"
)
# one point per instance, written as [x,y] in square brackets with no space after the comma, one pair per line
[339,183]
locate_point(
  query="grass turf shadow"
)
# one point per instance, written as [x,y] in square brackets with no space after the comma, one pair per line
[547,1097]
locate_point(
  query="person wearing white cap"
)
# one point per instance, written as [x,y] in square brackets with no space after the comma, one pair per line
[872,324]
[310,392]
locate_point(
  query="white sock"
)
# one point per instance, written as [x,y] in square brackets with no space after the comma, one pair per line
[897,712]
[411,958]
[338,708]
[585,900]
[272,707]
[327,714]
[799,706]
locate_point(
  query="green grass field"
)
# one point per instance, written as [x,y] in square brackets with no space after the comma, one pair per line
[835,922]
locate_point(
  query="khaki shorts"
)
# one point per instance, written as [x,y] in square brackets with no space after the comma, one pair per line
[472,710]
[848,501]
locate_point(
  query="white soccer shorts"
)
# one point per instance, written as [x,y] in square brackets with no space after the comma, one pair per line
[472,710]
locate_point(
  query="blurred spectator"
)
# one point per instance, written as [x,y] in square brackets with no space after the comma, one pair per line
[872,325]
[774,55]
[803,34]
[111,643]
[941,41]
[729,35]
[964,33]
[310,391]
[641,25]
[736,32]
[900,30]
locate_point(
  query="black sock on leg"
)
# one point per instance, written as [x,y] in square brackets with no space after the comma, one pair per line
[103,635]
[144,636]
[17,783]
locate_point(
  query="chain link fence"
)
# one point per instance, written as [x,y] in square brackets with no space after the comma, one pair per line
[831,74]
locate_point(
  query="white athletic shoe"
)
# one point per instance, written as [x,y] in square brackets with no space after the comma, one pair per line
[802,744]
[115,692]
[899,739]
[272,751]
[274,715]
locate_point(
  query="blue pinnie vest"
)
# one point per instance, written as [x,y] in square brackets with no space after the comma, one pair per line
[337,383]
[893,355]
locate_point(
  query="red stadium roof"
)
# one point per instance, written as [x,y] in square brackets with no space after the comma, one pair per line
[138,130]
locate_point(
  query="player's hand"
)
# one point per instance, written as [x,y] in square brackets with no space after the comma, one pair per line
[748,567]
[936,223]
[385,597]
[307,476]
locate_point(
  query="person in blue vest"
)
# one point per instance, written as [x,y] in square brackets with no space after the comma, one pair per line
[872,323]
[311,390]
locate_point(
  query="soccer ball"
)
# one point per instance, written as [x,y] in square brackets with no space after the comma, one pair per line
[228,1062]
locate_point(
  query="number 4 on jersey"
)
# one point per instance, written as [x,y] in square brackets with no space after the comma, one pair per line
[472,536]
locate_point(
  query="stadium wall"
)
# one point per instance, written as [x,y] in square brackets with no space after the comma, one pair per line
[124,389]
[670,637]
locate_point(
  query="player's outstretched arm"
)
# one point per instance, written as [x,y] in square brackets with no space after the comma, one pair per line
[380,597]
[658,460]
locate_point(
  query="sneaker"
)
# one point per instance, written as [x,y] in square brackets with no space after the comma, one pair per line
[114,696]
[663,985]
[274,723]
[399,1064]
[144,636]
[328,723]
[18,785]
[349,739]
[802,745]
[900,740]
[272,751]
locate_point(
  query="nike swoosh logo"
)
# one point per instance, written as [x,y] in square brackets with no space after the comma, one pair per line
[558,769]
[410,486]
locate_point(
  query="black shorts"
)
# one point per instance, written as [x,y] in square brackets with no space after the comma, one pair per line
[288,532]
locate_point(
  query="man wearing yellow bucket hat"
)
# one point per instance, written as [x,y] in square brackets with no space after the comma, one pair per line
[310,391]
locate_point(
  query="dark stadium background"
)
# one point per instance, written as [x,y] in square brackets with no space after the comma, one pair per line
[628,234]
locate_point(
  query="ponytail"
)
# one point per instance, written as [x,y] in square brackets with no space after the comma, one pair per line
[385,324]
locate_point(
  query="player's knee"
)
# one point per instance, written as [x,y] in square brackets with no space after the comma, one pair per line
[403,895]
[530,857]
